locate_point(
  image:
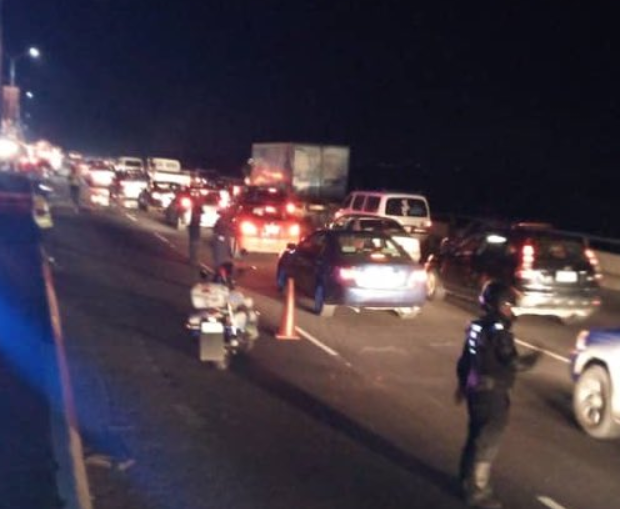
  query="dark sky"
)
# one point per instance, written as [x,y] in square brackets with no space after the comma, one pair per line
[527,92]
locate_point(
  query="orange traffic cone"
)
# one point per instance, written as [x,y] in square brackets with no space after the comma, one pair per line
[287,325]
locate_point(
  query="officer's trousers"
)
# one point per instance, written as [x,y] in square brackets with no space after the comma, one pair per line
[194,251]
[488,416]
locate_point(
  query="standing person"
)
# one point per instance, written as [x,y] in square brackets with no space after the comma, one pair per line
[486,373]
[221,251]
[193,231]
[74,185]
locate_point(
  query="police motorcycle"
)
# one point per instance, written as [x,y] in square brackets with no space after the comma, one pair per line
[224,321]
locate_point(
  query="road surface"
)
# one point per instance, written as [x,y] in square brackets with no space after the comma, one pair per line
[359,413]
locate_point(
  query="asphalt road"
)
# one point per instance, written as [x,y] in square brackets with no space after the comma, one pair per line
[357,414]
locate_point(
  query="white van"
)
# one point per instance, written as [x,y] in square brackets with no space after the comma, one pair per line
[154,164]
[410,210]
[129,164]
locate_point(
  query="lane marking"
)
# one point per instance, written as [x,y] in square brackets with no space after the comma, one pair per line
[162,238]
[555,356]
[133,218]
[549,502]
[322,346]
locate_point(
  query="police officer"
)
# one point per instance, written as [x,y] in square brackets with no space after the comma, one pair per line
[193,231]
[221,241]
[486,372]
[74,185]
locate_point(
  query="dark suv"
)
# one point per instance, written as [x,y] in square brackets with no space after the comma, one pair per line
[554,274]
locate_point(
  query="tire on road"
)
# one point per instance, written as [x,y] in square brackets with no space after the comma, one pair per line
[592,404]
[320,308]
[434,287]
[281,279]
[408,313]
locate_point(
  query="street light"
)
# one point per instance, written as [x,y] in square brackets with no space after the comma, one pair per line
[31,52]
[29,95]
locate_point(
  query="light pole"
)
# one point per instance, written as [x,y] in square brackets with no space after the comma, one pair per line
[31,52]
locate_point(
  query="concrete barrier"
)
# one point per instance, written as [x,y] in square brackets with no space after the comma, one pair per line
[72,479]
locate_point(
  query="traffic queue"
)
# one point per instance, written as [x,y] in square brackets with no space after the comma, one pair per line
[375,250]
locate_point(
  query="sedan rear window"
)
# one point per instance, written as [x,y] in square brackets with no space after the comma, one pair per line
[384,225]
[370,246]
[406,207]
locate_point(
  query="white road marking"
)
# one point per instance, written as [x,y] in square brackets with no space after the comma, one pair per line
[549,502]
[162,238]
[384,349]
[321,345]
[555,356]
[133,218]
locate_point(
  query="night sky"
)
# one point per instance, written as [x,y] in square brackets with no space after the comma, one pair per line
[484,106]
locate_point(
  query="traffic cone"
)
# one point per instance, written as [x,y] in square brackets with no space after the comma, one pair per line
[287,324]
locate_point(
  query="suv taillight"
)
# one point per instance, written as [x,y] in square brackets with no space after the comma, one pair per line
[528,253]
[592,258]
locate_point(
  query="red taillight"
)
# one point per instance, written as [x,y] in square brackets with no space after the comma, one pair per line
[592,257]
[527,257]
[186,202]
[290,208]
[248,228]
[428,223]
[294,230]
[269,209]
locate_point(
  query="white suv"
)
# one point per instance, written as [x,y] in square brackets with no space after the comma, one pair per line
[595,368]
[410,210]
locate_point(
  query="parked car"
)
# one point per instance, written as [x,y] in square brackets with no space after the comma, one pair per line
[392,227]
[356,269]
[410,210]
[595,368]
[126,188]
[264,220]
[157,195]
[179,211]
[554,274]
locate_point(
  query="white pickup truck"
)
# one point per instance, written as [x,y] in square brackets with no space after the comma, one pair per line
[595,367]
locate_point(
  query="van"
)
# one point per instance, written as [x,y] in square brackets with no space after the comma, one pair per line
[410,210]
[129,164]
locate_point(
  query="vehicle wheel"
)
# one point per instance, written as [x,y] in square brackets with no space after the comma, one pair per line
[592,404]
[281,280]
[408,313]
[320,308]
[434,287]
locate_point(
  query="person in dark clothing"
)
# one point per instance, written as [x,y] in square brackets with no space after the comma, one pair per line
[74,186]
[193,231]
[221,243]
[486,372]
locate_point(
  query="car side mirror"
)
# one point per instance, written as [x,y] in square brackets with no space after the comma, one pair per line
[204,274]
[291,246]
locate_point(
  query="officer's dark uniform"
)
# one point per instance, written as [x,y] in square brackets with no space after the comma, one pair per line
[193,230]
[486,373]
[221,245]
